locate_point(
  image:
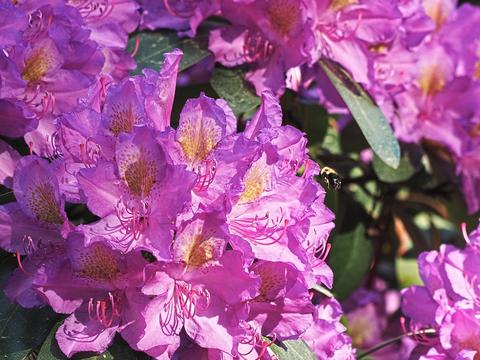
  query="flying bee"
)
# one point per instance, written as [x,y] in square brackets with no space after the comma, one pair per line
[331,178]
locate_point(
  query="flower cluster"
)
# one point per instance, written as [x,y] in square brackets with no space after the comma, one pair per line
[373,317]
[407,54]
[51,53]
[449,303]
[206,240]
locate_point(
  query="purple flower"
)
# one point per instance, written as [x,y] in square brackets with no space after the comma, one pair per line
[180,15]
[448,303]
[372,318]
[326,336]
[179,211]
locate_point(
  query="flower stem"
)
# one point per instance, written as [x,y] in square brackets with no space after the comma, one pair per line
[394,340]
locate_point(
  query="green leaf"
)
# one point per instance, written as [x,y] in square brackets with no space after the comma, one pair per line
[407,272]
[229,85]
[21,330]
[403,172]
[152,46]
[119,350]
[349,259]
[366,113]
[292,350]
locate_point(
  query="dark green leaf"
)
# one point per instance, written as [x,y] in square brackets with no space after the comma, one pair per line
[292,350]
[349,258]
[366,113]
[385,173]
[152,46]
[21,330]
[230,85]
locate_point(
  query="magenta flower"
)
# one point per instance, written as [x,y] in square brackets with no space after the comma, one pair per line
[448,303]
[326,336]
[202,202]
[181,15]
[98,287]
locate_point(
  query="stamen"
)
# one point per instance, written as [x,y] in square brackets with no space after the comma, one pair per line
[19,261]
[98,310]
[93,11]
[465,233]
[204,180]
[253,339]
[137,45]
[256,47]
[260,230]
[183,304]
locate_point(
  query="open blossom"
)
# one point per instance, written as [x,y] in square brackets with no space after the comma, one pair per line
[448,303]
[52,52]
[179,210]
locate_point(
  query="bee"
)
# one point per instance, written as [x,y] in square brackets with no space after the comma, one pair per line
[331,178]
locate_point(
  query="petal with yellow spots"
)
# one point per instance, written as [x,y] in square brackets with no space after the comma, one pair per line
[201,241]
[123,110]
[141,162]
[203,123]
[36,190]
[43,59]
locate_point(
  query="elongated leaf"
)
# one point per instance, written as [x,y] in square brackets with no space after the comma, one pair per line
[152,46]
[366,113]
[229,85]
[292,350]
[21,330]
[349,258]
[403,172]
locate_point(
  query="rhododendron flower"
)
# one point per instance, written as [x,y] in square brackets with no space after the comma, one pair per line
[51,53]
[326,336]
[179,211]
[448,303]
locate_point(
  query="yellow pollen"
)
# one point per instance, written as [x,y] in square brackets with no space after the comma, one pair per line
[43,204]
[98,264]
[378,49]
[123,119]
[140,176]
[431,81]
[435,11]
[284,16]
[37,65]
[337,5]
[200,251]
[198,136]
[256,181]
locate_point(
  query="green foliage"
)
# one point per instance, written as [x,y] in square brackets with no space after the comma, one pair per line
[292,350]
[407,272]
[366,113]
[230,85]
[385,173]
[152,46]
[350,259]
